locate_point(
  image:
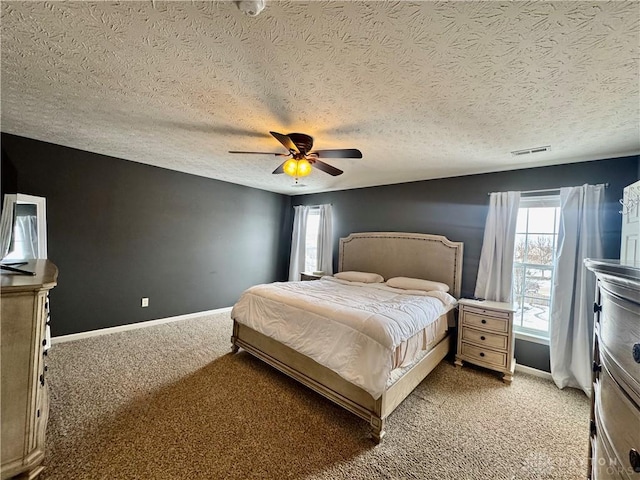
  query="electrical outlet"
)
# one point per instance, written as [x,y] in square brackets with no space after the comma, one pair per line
[145,302]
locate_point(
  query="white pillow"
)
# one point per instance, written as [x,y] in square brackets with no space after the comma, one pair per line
[363,277]
[407,283]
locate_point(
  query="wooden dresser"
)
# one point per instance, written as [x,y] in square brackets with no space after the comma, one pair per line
[24,397]
[614,449]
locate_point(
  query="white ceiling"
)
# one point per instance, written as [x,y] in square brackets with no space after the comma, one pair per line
[423,89]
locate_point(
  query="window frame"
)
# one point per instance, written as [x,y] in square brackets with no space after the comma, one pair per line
[314,211]
[547,200]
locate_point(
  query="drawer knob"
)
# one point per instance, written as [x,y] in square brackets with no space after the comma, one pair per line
[484,321]
[636,352]
[482,354]
[482,337]
[634,460]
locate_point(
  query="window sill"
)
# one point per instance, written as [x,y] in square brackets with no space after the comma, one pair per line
[528,337]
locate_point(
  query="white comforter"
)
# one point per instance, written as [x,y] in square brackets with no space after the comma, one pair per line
[350,327]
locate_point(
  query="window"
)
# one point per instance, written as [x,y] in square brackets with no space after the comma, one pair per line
[311,241]
[534,261]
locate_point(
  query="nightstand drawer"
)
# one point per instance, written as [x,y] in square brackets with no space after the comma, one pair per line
[498,359]
[485,322]
[483,338]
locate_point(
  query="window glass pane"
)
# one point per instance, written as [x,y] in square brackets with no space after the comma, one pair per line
[535,314]
[540,249]
[541,220]
[518,282]
[521,225]
[311,242]
[520,252]
[539,281]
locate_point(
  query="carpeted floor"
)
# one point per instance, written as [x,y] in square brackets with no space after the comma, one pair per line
[170,402]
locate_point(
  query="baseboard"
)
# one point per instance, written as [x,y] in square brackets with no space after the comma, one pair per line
[134,326]
[533,371]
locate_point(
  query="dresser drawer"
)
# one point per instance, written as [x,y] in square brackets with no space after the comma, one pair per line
[485,322]
[619,336]
[604,466]
[484,355]
[479,337]
[617,418]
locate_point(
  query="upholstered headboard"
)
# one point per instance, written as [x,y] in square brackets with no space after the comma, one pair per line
[396,254]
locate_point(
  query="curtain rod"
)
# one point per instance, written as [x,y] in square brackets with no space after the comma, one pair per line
[549,190]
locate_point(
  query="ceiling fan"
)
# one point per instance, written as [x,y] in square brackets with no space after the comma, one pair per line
[302,158]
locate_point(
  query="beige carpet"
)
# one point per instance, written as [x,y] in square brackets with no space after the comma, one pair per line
[170,402]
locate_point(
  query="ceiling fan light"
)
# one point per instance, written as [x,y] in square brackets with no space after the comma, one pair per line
[297,168]
[304,167]
[290,167]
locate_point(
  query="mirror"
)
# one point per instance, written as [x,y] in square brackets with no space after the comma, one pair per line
[23,227]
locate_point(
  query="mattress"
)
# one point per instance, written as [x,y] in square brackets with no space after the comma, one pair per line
[362,332]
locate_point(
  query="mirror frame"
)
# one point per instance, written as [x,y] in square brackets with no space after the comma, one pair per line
[41,212]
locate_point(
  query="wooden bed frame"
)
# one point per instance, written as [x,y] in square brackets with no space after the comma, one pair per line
[431,257]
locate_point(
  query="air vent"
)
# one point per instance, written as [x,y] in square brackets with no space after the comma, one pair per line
[529,151]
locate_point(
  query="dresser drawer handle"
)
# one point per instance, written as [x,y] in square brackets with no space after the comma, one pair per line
[636,352]
[482,337]
[484,321]
[634,460]
[482,354]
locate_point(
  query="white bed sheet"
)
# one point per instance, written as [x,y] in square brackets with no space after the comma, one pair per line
[352,328]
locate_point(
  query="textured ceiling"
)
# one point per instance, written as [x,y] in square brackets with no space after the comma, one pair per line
[423,89]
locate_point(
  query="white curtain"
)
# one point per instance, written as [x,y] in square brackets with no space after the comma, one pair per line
[298,237]
[571,323]
[495,271]
[325,240]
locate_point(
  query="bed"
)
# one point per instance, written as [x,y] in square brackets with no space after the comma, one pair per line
[390,254]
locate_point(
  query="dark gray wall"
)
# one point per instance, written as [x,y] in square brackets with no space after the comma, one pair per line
[119,231]
[8,176]
[457,208]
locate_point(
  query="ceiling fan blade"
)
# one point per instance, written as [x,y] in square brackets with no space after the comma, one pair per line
[262,153]
[325,167]
[339,153]
[285,141]
[280,168]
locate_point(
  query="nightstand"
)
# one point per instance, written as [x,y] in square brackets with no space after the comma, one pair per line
[485,335]
[306,276]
